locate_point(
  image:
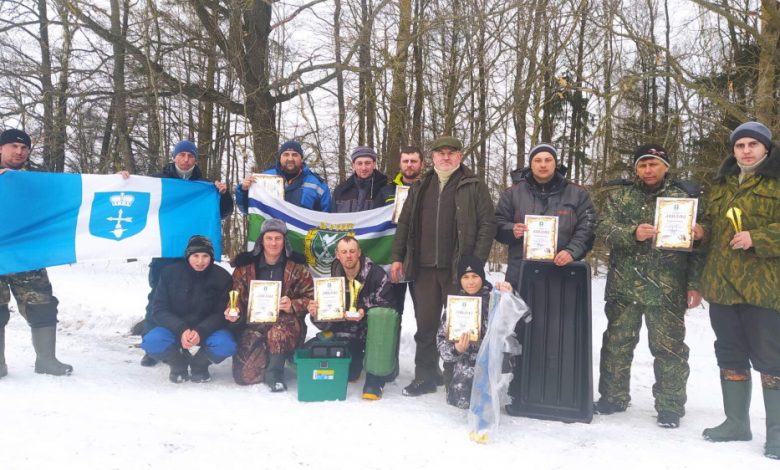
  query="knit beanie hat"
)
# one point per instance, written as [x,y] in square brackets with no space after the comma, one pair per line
[754,130]
[291,145]
[199,244]
[363,151]
[10,136]
[542,148]
[471,264]
[185,146]
[651,151]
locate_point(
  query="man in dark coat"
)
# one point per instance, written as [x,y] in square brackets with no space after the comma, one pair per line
[544,190]
[364,189]
[31,289]
[375,291]
[184,166]
[448,214]
[189,306]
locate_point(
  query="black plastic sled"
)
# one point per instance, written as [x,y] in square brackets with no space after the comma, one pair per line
[553,378]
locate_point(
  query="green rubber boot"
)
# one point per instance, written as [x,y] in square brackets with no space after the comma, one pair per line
[736,405]
[772,406]
[44,340]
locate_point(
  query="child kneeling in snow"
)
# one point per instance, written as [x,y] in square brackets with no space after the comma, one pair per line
[461,356]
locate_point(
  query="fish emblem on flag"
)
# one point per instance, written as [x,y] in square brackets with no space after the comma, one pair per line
[118,215]
[320,245]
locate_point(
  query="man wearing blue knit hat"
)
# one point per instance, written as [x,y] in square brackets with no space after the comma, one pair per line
[302,186]
[184,166]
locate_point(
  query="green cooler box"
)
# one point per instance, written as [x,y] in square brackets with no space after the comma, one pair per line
[323,370]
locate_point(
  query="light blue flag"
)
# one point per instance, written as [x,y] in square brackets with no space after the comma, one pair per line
[50,219]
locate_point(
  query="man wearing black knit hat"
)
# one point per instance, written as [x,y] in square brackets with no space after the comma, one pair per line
[32,289]
[302,186]
[646,282]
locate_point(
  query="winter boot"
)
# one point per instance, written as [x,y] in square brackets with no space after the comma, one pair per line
[736,405]
[772,406]
[372,390]
[668,419]
[148,361]
[44,340]
[3,366]
[607,407]
[199,367]
[276,373]
[176,358]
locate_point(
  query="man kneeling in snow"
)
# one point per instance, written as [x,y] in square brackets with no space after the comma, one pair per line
[189,308]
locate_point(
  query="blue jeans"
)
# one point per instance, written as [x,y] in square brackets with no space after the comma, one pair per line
[219,345]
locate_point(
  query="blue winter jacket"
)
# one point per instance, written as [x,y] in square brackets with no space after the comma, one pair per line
[305,190]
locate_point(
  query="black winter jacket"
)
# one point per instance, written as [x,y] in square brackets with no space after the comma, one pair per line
[188,299]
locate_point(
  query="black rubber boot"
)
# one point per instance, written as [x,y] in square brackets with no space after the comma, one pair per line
[44,340]
[177,360]
[199,367]
[275,373]
[772,406]
[736,405]
[3,366]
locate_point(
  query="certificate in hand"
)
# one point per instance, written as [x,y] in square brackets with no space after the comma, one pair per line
[464,314]
[540,241]
[329,295]
[675,218]
[401,193]
[270,183]
[264,299]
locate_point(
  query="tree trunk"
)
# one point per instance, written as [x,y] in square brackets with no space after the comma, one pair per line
[398,100]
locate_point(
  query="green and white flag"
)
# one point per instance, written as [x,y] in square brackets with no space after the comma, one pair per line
[314,234]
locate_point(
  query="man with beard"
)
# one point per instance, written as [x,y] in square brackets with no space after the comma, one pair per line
[302,187]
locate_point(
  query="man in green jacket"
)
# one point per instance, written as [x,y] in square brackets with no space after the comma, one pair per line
[643,281]
[449,214]
[741,280]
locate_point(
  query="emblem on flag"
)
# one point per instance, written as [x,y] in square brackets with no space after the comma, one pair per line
[117,216]
[320,245]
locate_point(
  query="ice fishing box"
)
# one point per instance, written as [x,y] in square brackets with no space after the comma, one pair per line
[553,378]
[323,370]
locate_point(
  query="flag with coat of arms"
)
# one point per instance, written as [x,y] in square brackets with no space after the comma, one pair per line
[50,219]
[315,234]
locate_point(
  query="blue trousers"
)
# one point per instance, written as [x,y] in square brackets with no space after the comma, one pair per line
[159,340]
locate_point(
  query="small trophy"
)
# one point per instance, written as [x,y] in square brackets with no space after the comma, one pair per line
[354,291]
[734,214]
[233,309]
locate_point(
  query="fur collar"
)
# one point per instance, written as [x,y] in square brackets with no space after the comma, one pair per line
[769,168]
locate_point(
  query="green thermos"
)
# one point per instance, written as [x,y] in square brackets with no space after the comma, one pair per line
[382,341]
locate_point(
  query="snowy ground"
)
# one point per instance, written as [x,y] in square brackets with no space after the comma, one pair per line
[114,414]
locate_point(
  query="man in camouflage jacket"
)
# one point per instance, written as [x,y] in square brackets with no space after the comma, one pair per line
[643,281]
[31,289]
[741,281]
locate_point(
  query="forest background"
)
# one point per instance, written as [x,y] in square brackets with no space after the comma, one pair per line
[108,85]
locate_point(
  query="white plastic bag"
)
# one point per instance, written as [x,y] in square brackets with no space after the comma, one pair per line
[489,390]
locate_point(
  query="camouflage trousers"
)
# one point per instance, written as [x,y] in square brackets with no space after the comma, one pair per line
[256,343]
[666,335]
[33,294]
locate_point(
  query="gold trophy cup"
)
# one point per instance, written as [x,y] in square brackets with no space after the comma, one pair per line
[354,291]
[734,214]
[233,309]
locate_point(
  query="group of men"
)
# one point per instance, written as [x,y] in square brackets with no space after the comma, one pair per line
[449,214]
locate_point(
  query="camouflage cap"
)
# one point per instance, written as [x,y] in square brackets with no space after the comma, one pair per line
[447,141]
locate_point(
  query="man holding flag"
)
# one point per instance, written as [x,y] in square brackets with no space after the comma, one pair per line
[31,289]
